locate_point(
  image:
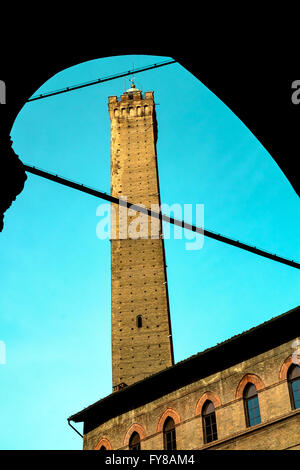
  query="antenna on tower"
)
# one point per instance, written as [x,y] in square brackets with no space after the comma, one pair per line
[132,79]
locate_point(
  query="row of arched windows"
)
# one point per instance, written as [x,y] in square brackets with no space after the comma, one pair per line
[209,422]
[169,434]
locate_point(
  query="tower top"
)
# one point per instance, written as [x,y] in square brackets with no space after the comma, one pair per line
[134,94]
[133,88]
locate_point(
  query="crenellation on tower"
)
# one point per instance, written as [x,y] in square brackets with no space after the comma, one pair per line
[131,104]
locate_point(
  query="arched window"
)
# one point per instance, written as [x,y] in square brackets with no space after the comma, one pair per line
[135,441]
[251,405]
[139,321]
[102,448]
[169,434]
[209,422]
[293,377]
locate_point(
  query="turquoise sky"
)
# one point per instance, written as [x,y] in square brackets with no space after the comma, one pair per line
[55,272]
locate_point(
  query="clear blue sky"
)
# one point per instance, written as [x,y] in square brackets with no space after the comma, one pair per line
[55,272]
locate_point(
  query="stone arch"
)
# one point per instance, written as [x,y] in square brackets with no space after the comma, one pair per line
[213,397]
[103,442]
[248,378]
[169,412]
[285,367]
[134,428]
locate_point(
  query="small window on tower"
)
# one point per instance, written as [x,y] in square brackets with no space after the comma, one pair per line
[139,321]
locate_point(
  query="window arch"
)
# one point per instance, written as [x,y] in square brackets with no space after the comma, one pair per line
[293,377]
[134,428]
[169,434]
[135,441]
[210,396]
[169,412]
[248,378]
[209,422]
[251,404]
[103,444]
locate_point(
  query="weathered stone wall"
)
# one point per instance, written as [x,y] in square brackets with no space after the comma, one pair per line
[279,427]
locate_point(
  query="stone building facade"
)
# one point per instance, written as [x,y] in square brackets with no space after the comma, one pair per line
[241,394]
[264,356]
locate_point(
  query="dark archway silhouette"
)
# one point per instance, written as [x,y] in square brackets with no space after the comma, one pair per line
[255,83]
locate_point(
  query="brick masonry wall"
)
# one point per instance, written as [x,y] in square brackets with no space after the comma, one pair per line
[279,427]
[138,275]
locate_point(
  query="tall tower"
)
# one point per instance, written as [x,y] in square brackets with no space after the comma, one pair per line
[141,327]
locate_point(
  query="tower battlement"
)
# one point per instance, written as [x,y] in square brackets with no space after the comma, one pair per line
[131,104]
[129,96]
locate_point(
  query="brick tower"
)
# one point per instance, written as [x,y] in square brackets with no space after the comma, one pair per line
[141,327]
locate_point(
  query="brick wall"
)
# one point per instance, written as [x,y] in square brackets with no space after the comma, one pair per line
[279,427]
[138,275]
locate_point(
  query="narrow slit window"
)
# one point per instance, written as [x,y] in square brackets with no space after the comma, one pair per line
[139,321]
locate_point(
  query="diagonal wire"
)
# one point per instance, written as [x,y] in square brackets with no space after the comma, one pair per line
[99,80]
[159,215]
